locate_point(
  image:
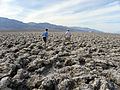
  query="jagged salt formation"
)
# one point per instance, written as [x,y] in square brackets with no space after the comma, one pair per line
[90,62]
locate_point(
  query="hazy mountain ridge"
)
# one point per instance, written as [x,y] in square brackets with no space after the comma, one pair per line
[12,24]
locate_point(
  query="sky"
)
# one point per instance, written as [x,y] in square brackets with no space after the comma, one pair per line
[103,15]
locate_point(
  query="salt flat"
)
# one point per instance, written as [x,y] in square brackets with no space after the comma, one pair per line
[90,62]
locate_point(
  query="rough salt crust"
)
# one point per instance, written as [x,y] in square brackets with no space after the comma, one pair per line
[91,61]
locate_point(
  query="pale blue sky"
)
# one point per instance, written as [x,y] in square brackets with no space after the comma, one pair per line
[102,15]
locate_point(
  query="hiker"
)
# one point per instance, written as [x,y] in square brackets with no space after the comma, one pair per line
[67,36]
[45,36]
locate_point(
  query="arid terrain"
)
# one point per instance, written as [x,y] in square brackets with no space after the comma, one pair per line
[90,62]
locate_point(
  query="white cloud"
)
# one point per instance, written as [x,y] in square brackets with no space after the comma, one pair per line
[53,9]
[65,17]
[6,1]
[7,10]
[67,12]
[54,14]
[105,27]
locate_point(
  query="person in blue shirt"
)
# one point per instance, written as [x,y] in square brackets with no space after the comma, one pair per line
[45,35]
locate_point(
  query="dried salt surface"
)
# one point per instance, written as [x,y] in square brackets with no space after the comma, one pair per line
[90,62]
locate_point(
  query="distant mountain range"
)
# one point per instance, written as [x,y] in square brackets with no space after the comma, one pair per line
[12,24]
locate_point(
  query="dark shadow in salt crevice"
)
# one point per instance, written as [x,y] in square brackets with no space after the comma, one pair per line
[88,80]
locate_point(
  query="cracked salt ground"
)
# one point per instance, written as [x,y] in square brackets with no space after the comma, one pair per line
[90,62]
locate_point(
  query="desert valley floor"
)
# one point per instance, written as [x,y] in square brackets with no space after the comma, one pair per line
[90,62]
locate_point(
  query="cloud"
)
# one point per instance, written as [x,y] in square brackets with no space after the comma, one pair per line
[7,10]
[59,12]
[64,16]
[89,13]
[106,27]
[54,8]
[6,1]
